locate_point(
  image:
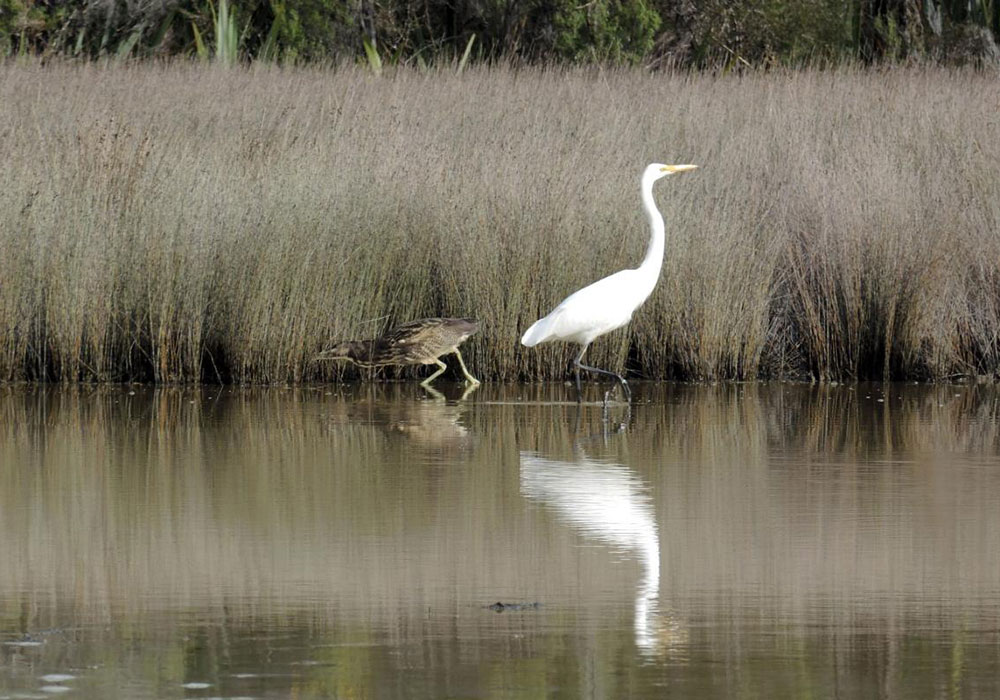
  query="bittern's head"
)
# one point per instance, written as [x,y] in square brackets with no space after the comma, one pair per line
[340,351]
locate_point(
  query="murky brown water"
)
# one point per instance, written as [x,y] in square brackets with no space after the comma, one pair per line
[770,541]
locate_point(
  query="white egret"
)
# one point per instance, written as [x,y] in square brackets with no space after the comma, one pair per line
[608,304]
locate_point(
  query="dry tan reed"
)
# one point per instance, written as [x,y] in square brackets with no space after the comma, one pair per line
[184,223]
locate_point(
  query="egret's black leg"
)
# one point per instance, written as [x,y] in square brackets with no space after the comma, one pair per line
[578,365]
[576,371]
[620,378]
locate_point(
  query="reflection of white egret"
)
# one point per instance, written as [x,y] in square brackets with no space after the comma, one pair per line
[609,503]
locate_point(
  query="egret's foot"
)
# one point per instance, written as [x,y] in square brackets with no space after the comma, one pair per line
[627,392]
[618,426]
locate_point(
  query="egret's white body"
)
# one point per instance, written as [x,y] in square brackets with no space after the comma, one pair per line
[609,303]
[598,308]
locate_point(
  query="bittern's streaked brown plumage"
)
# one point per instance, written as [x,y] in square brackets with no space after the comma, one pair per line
[419,342]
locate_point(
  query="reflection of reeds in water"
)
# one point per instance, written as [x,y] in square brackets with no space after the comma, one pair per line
[806,503]
[195,497]
[826,503]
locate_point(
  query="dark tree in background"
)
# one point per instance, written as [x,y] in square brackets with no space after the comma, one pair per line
[693,33]
[954,31]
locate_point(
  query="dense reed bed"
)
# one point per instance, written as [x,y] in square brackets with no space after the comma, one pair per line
[184,223]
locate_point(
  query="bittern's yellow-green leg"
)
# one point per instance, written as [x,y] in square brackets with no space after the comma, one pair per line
[469,388]
[468,376]
[431,378]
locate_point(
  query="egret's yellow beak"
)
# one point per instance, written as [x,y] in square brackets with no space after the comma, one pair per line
[677,168]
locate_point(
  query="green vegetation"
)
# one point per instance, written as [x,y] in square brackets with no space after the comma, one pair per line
[187,222]
[727,33]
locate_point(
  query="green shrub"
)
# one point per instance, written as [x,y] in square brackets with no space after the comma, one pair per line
[619,31]
[707,33]
[755,32]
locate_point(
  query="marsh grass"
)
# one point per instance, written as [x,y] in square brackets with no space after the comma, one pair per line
[187,222]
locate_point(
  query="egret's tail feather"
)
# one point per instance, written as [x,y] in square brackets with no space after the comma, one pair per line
[536,334]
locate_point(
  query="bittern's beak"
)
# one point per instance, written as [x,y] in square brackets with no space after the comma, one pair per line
[677,168]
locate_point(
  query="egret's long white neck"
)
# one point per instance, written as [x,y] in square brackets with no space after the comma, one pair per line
[651,264]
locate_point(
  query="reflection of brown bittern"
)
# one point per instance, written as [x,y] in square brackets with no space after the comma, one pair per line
[419,342]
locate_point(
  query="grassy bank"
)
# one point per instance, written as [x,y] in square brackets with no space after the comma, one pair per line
[186,223]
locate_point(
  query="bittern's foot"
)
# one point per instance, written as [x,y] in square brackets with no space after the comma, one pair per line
[468,390]
[432,391]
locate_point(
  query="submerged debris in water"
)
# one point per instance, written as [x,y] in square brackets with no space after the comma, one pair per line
[513,607]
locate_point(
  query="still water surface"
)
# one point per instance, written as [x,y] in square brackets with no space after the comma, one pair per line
[742,541]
